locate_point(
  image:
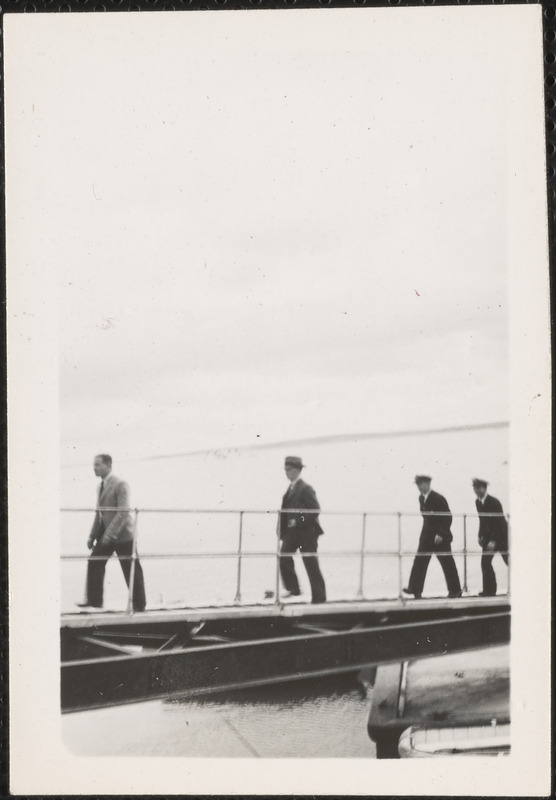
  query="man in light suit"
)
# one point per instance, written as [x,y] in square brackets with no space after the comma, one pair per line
[112,531]
[300,531]
[493,534]
[436,537]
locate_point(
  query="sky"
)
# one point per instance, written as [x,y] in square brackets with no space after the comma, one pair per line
[258,236]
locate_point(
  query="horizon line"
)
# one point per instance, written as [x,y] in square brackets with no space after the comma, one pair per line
[312,440]
[331,438]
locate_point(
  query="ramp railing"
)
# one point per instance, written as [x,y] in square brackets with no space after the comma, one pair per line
[363,553]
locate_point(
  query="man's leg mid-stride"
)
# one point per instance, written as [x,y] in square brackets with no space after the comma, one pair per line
[126,549]
[287,568]
[95,572]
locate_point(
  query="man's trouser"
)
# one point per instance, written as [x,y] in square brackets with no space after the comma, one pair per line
[305,542]
[489,577]
[443,552]
[95,572]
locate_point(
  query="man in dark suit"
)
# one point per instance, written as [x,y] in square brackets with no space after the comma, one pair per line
[112,531]
[300,531]
[436,537]
[493,534]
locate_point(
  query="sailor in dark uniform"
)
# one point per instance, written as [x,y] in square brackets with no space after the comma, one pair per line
[493,534]
[300,531]
[435,537]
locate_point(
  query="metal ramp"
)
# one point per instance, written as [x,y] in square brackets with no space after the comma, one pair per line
[113,658]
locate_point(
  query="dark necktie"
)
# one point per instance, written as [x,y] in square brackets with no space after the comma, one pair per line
[100,490]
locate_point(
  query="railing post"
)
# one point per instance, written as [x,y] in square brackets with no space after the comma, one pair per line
[400,575]
[277,576]
[239,548]
[132,568]
[464,589]
[508,551]
[362,563]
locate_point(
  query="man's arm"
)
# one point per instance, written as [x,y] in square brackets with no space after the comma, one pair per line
[94,534]
[497,525]
[120,517]
[283,524]
[443,522]
[310,502]
[309,498]
[482,535]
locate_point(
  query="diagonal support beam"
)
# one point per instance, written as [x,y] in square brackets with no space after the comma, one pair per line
[94,683]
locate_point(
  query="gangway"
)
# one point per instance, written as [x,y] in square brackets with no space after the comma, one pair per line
[115,657]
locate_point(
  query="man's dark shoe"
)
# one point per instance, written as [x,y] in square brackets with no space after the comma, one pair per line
[416,595]
[454,594]
[487,594]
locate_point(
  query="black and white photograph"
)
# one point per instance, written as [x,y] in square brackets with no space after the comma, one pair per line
[279,401]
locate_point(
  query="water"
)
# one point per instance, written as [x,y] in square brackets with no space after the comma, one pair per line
[320,718]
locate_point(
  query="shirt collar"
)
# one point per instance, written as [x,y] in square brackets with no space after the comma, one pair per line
[424,496]
[292,484]
[482,499]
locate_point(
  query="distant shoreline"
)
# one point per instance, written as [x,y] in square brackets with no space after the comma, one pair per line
[329,439]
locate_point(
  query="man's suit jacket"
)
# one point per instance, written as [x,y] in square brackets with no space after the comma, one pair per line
[436,526]
[301,496]
[114,525]
[492,529]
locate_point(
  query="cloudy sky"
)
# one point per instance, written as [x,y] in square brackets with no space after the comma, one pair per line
[259,234]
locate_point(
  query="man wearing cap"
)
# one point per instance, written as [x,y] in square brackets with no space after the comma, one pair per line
[300,531]
[435,537]
[493,534]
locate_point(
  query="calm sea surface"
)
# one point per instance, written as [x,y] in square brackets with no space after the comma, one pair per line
[323,718]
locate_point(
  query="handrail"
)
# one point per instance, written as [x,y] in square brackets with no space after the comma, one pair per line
[269,553]
[134,509]
[363,552]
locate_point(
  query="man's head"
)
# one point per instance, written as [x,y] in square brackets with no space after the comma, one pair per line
[423,483]
[480,487]
[102,465]
[293,466]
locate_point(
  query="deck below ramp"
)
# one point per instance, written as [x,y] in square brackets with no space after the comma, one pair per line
[110,658]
